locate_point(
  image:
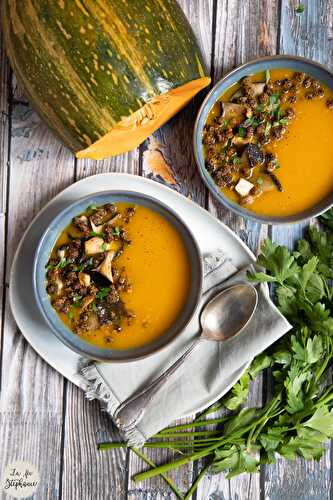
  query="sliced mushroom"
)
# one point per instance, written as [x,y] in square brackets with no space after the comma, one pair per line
[96,229]
[241,141]
[95,245]
[88,299]
[61,253]
[244,160]
[99,229]
[84,279]
[257,88]
[105,268]
[232,110]
[236,95]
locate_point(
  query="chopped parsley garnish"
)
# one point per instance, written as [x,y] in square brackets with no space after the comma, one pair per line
[284,121]
[99,235]
[260,107]
[102,293]
[241,132]
[104,247]
[248,122]
[60,265]
[116,231]
[274,101]
[79,268]
[260,180]
[267,76]
[268,128]
[77,299]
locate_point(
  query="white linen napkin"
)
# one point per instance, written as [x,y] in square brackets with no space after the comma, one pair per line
[210,369]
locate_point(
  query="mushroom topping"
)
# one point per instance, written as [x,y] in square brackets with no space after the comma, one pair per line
[105,268]
[235,111]
[55,284]
[81,223]
[95,245]
[256,88]
[241,141]
[87,300]
[61,253]
[96,229]
[255,155]
[84,279]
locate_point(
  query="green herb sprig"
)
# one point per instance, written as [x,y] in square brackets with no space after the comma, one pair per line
[298,419]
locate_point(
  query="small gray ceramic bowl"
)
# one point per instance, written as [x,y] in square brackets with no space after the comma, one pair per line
[271,62]
[46,245]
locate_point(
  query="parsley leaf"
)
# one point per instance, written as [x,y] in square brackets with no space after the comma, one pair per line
[241,132]
[102,293]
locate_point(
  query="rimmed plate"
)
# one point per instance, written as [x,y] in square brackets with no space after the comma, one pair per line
[209,232]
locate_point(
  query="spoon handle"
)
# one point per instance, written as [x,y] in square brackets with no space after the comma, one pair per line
[131,411]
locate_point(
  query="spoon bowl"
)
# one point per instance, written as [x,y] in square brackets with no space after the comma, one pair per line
[222,318]
[228,312]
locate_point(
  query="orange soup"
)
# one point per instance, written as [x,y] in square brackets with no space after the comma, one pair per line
[268,143]
[119,275]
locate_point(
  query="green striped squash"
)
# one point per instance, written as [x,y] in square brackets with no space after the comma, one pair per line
[104,74]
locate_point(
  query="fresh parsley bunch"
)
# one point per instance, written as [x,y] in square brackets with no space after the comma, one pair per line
[298,418]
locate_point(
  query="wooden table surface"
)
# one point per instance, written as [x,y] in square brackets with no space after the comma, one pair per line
[46,420]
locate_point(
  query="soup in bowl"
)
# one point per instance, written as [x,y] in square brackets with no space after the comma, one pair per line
[263,139]
[117,276]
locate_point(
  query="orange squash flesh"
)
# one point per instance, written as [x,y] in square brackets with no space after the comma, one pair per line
[131,131]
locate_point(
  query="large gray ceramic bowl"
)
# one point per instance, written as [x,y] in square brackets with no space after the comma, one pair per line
[43,253]
[272,62]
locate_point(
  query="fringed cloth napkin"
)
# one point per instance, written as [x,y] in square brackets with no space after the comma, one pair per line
[210,369]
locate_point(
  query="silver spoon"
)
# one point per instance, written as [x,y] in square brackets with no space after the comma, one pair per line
[222,318]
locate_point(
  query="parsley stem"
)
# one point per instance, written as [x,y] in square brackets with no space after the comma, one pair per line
[169,482]
[195,423]
[186,434]
[197,481]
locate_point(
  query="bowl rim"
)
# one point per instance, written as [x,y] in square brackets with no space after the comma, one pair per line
[205,176]
[87,349]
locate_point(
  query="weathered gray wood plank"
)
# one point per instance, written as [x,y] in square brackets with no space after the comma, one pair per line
[4,134]
[88,473]
[32,392]
[175,145]
[244,31]
[310,35]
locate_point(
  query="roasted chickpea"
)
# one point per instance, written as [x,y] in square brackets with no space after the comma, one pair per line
[290,113]
[307,82]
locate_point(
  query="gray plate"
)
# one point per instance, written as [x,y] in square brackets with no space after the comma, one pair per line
[128,377]
[313,69]
[43,252]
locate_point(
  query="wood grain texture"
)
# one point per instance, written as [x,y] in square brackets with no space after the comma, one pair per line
[4,153]
[48,422]
[308,34]
[244,30]
[175,145]
[32,392]
[88,473]
[175,138]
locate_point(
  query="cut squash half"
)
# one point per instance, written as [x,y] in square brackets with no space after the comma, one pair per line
[132,130]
